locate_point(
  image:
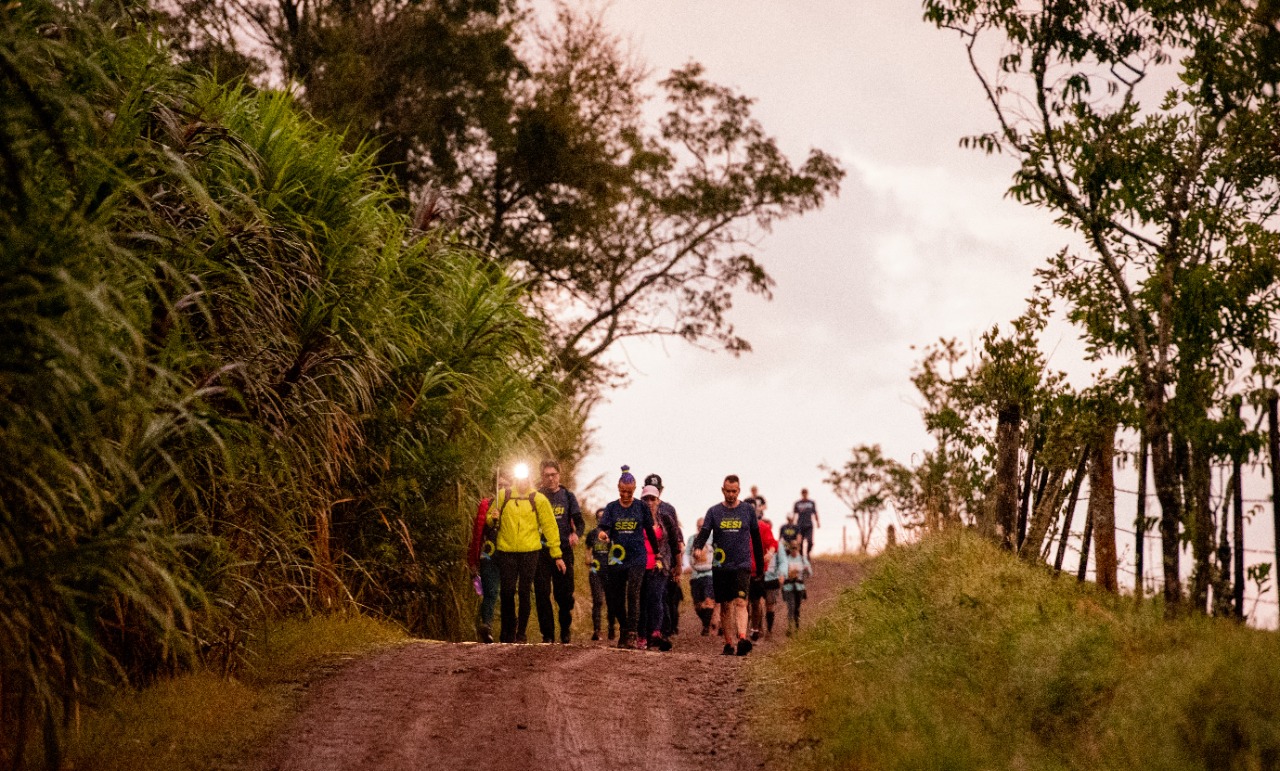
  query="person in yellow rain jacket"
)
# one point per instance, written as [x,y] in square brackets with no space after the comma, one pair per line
[523,518]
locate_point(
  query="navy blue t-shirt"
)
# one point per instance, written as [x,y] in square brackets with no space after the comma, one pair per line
[735,535]
[806,509]
[627,528]
[564,505]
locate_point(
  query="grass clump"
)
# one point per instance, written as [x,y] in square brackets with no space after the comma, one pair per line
[200,720]
[953,655]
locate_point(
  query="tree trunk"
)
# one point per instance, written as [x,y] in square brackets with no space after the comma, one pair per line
[1024,502]
[1102,506]
[1086,541]
[1140,522]
[1005,500]
[1071,510]
[1045,511]
[1165,475]
[1200,520]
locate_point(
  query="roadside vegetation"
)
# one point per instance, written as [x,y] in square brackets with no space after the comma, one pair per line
[953,654]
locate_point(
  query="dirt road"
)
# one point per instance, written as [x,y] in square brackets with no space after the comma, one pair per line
[431,705]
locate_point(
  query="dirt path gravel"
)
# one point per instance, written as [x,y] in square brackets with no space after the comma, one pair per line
[432,705]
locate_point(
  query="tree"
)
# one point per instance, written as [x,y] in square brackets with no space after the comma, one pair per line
[865,484]
[1147,128]
[536,136]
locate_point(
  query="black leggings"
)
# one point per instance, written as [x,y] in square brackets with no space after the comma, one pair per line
[623,591]
[517,569]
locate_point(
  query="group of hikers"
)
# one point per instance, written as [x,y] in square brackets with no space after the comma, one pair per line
[524,540]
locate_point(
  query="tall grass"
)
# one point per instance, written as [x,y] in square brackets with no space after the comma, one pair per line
[234,382]
[954,655]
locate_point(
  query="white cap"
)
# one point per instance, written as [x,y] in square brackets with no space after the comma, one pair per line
[650,490]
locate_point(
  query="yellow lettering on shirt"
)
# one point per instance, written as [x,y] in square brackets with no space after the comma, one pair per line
[730,524]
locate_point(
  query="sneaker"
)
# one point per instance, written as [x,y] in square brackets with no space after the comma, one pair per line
[564,640]
[662,644]
[520,639]
[728,650]
[547,640]
[755,634]
[624,641]
[484,633]
[595,637]
[744,646]
[641,644]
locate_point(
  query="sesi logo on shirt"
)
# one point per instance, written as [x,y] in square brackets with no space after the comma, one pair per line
[730,524]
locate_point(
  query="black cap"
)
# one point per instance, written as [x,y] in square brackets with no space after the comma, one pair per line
[655,480]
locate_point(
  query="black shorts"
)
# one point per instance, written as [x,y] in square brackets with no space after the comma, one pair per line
[731,584]
[701,589]
[756,592]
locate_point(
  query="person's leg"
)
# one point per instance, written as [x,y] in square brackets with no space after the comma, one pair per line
[527,565]
[806,540]
[770,607]
[562,587]
[655,592]
[635,582]
[597,603]
[542,577]
[616,597]
[793,610]
[490,586]
[674,595]
[507,570]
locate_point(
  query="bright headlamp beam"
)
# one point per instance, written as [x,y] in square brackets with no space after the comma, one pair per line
[521,471]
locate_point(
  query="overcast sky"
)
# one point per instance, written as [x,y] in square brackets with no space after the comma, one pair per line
[920,245]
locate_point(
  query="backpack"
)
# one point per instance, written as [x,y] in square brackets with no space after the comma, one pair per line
[491,528]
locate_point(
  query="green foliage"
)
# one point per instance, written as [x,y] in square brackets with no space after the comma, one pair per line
[953,654]
[234,381]
[538,133]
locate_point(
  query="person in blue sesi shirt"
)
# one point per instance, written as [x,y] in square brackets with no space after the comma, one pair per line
[624,525]
[732,529]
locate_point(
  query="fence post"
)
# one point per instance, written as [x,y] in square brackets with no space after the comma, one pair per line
[1140,522]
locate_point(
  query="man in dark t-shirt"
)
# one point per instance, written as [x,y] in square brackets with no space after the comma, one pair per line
[731,527]
[806,512]
[547,581]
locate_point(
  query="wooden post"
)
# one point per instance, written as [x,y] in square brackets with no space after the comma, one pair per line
[1273,442]
[1102,506]
[1237,463]
[1140,522]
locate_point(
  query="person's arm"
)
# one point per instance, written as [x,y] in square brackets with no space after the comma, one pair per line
[816,522]
[651,533]
[575,516]
[603,524]
[547,524]
[757,547]
[701,539]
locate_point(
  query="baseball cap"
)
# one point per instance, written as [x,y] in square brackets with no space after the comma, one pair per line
[650,490]
[653,479]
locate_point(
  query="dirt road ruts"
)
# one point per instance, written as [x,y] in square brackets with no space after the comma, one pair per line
[430,705]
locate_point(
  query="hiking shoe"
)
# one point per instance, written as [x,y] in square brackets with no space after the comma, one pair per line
[662,644]
[624,641]
[728,650]
[564,640]
[547,640]
[484,633]
[520,639]
[595,637]
[744,646]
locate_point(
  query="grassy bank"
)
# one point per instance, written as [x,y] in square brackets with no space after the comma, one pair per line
[200,720]
[953,655]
